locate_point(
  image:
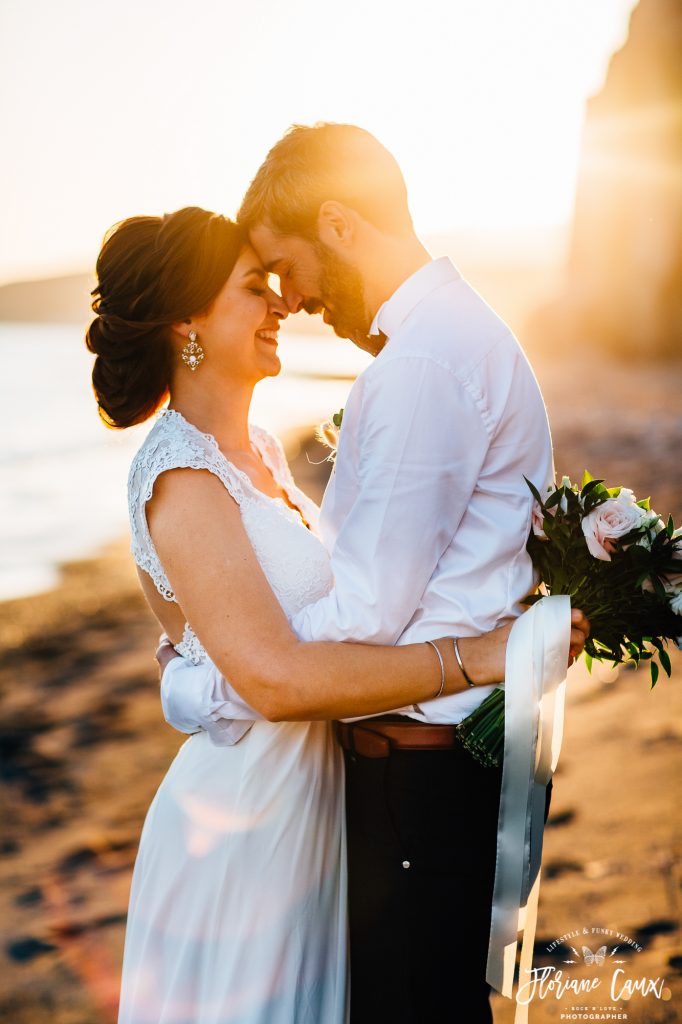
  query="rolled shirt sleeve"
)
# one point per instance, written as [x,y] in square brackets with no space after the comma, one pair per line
[198,697]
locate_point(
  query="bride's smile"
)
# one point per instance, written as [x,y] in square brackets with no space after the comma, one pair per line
[239,332]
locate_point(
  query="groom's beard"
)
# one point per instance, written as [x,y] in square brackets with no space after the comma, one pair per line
[343,296]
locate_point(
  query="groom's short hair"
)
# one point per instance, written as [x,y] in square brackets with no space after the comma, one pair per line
[312,164]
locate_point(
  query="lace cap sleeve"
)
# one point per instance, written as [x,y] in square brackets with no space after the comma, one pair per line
[173,443]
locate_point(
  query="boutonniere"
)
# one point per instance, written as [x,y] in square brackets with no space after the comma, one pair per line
[328,433]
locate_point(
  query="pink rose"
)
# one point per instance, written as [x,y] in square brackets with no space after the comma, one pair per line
[673,582]
[610,520]
[537,520]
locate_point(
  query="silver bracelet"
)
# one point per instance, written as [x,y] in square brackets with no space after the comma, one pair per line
[442,669]
[455,644]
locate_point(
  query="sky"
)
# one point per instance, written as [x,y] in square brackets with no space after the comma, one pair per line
[142,106]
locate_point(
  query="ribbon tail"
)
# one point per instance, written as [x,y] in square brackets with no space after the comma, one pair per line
[537,653]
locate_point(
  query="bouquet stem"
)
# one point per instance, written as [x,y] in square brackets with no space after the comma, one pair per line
[482,732]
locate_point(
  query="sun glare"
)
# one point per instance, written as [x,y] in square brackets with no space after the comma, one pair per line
[481,102]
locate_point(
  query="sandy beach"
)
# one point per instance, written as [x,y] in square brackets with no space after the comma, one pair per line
[84,747]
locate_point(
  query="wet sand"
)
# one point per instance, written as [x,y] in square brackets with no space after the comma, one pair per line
[84,748]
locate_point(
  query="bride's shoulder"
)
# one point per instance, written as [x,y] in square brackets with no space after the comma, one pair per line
[172,430]
[173,442]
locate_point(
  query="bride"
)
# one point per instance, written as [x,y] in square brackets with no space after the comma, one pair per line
[238,903]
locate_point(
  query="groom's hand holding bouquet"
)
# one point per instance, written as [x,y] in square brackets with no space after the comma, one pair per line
[620,563]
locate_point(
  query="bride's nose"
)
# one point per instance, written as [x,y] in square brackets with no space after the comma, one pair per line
[277,306]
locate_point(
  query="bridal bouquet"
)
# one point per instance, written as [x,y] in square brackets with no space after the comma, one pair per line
[620,563]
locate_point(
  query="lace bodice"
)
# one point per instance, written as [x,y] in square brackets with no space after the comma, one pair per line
[291,556]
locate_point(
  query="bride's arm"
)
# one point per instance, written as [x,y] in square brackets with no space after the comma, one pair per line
[198,534]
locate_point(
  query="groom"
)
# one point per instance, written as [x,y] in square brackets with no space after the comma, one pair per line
[426,517]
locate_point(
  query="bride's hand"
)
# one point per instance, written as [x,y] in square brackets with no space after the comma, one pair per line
[165,653]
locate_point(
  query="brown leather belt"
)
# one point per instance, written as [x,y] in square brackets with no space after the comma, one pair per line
[374,738]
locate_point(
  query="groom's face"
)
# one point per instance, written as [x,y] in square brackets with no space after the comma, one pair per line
[315,279]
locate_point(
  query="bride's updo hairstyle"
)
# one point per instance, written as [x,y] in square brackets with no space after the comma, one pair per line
[152,272]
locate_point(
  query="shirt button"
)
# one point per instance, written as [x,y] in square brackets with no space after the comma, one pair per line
[406,864]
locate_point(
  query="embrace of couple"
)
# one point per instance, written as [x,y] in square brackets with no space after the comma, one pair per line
[322,848]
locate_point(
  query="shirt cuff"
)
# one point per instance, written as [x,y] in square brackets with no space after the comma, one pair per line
[190,710]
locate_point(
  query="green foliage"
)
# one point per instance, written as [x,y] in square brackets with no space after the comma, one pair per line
[626,598]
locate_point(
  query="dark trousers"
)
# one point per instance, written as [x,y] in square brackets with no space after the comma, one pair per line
[422,828]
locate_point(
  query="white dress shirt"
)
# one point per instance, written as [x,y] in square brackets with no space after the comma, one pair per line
[427,513]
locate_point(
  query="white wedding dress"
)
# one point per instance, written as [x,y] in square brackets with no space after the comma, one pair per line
[238,902]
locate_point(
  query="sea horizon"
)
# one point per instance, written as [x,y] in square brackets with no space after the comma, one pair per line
[63,474]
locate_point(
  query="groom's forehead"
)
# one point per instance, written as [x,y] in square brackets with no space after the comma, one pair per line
[274,249]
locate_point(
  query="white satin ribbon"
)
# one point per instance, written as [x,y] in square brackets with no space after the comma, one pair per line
[535,684]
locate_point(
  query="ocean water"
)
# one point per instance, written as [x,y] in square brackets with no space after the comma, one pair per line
[63,474]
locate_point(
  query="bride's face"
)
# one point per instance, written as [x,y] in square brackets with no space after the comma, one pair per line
[239,333]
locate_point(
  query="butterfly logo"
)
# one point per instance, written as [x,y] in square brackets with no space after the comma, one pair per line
[597,958]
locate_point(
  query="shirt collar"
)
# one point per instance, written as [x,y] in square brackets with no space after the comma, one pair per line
[395,311]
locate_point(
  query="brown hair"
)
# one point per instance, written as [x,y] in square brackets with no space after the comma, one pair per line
[152,272]
[310,165]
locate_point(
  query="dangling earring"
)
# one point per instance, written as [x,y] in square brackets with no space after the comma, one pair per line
[192,353]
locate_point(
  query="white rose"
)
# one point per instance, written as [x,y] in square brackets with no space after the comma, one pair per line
[676,603]
[612,519]
[652,521]
[627,497]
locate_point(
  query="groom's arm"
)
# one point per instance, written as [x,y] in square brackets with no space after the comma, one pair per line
[421,436]
[422,439]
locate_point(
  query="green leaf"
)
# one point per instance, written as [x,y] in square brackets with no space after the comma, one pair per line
[586,479]
[533,490]
[633,651]
[670,528]
[664,659]
[588,661]
[572,500]
[654,673]
[590,486]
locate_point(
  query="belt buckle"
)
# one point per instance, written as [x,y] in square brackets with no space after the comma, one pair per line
[363,741]
[368,743]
